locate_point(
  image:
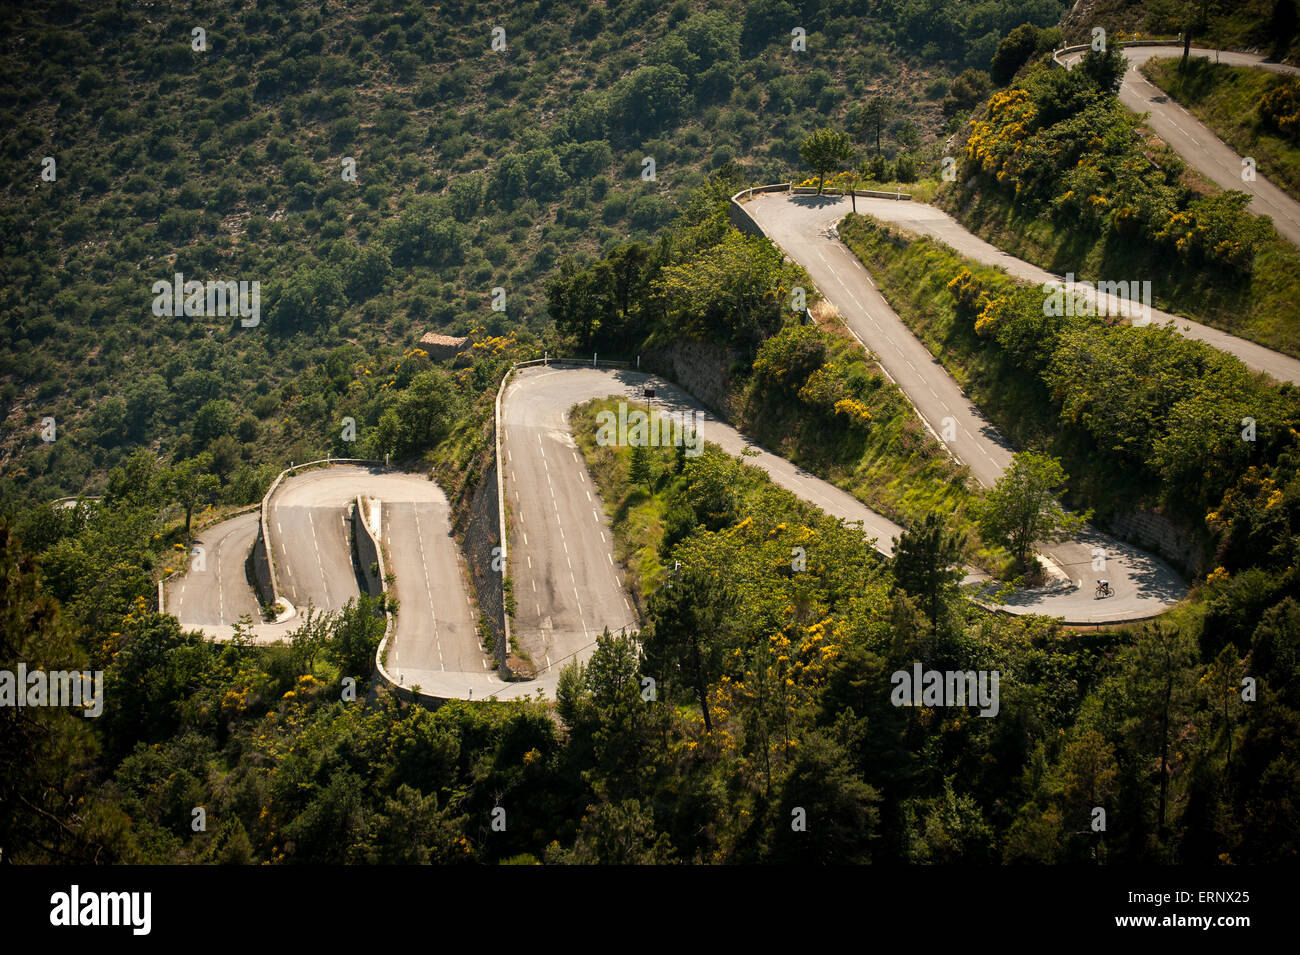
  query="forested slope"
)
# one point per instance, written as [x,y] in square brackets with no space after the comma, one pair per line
[224,156]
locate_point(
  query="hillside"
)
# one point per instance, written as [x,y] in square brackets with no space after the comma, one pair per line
[474,169]
[1056,170]
[782,692]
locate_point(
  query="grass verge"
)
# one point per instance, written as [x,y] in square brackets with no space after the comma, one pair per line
[635,511]
[1227,100]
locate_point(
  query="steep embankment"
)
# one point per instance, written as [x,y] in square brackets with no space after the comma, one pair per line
[1062,174]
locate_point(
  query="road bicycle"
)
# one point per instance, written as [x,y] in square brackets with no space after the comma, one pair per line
[1103,590]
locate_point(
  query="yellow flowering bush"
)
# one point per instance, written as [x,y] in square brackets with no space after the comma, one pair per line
[854,410]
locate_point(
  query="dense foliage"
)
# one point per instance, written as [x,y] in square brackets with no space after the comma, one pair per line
[780,669]
[700,281]
[1142,415]
[1254,111]
[770,643]
[380,170]
[1056,170]
[1214,24]
[772,679]
[807,391]
[1032,141]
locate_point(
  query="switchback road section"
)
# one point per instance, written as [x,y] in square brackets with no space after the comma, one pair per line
[544,562]
[804,227]
[1193,140]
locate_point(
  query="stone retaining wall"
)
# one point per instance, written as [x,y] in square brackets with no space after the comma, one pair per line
[1155,532]
[482,535]
[702,368]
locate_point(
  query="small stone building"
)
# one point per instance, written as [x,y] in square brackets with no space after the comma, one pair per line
[443,347]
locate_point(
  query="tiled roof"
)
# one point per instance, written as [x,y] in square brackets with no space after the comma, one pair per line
[431,338]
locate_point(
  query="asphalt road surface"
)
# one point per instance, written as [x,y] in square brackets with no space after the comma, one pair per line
[804,227]
[567,587]
[435,642]
[311,541]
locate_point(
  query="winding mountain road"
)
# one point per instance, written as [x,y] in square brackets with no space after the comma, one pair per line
[435,641]
[214,590]
[311,542]
[568,586]
[1194,141]
[1144,585]
[804,227]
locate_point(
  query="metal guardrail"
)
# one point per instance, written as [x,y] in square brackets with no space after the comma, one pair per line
[595,362]
[1083,47]
[791,188]
[773,187]
[202,524]
[860,193]
[75,498]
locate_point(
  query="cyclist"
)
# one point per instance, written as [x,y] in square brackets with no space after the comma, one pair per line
[1103,587]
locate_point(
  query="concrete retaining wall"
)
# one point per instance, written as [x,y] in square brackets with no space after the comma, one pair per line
[741,219]
[266,589]
[367,547]
[263,563]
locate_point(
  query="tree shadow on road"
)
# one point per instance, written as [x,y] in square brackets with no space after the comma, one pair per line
[817,202]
